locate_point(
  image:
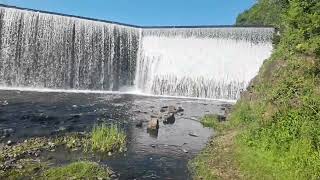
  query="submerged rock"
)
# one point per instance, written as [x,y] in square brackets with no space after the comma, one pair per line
[221,118]
[153,133]
[193,134]
[6,132]
[139,124]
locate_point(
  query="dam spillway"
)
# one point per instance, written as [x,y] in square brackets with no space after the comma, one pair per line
[43,50]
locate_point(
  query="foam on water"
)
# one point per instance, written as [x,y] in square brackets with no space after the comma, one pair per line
[210,63]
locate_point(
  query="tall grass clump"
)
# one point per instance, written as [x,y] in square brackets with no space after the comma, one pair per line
[108,138]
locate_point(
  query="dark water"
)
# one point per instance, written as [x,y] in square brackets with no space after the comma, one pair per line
[33,114]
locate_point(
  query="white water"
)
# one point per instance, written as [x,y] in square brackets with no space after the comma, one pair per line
[201,63]
[45,51]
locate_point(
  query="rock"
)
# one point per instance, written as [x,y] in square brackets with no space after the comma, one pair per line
[172,109]
[184,150]
[221,118]
[62,129]
[37,154]
[10,143]
[139,124]
[113,176]
[155,116]
[169,119]
[153,145]
[180,109]
[153,124]
[4,103]
[19,166]
[51,144]
[153,133]
[180,114]
[164,109]
[109,154]
[74,106]
[193,134]
[6,132]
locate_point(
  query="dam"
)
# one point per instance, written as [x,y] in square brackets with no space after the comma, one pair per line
[62,75]
[47,50]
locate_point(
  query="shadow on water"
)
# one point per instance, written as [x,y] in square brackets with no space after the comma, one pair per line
[160,154]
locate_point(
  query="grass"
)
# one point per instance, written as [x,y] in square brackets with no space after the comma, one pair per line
[78,170]
[216,160]
[277,119]
[211,121]
[108,138]
[30,169]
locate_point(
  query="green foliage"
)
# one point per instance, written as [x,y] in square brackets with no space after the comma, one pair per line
[264,12]
[108,139]
[212,121]
[78,170]
[281,113]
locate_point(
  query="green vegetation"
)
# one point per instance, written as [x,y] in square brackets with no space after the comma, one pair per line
[108,139]
[278,119]
[28,168]
[78,170]
[18,161]
[265,12]
[216,160]
[212,121]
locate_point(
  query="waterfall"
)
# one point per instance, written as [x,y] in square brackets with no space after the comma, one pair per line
[201,62]
[48,50]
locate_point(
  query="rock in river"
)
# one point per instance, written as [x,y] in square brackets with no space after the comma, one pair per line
[139,124]
[169,119]
[153,124]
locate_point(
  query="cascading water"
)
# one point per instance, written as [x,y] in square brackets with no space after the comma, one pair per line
[43,50]
[201,62]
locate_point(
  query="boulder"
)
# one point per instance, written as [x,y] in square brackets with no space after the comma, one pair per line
[169,119]
[153,124]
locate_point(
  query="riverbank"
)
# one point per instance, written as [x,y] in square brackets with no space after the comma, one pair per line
[277,119]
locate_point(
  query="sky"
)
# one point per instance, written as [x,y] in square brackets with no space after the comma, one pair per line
[146,12]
